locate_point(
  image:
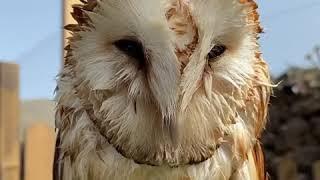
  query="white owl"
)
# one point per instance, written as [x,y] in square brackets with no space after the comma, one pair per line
[162,89]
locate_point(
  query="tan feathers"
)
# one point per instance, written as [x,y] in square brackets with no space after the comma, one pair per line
[181,115]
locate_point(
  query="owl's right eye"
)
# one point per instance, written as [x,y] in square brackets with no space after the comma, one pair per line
[131,48]
[216,52]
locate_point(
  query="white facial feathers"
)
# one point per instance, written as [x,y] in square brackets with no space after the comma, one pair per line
[173,106]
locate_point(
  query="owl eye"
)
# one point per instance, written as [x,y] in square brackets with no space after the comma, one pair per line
[131,48]
[216,51]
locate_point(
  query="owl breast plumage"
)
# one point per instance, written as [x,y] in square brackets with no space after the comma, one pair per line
[162,89]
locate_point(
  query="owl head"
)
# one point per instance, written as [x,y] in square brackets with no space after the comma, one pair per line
[164,82]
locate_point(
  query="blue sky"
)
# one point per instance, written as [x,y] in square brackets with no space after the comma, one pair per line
[30,35]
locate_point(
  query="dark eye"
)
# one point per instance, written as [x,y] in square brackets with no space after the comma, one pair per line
[131,48]
[216,51]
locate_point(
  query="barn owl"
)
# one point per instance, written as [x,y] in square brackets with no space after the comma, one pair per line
[162,89]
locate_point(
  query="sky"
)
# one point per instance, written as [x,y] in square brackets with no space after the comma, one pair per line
[30,35]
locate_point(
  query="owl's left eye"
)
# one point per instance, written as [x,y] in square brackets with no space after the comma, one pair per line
[216,51]
[131,48]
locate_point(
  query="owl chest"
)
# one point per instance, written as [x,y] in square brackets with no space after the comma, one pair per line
[119,168]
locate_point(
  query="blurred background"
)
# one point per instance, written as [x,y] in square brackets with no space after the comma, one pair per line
[31,36]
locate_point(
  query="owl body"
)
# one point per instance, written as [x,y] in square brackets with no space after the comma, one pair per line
[114,166]
[169,89]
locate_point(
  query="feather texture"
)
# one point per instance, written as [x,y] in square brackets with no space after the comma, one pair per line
[181,115]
